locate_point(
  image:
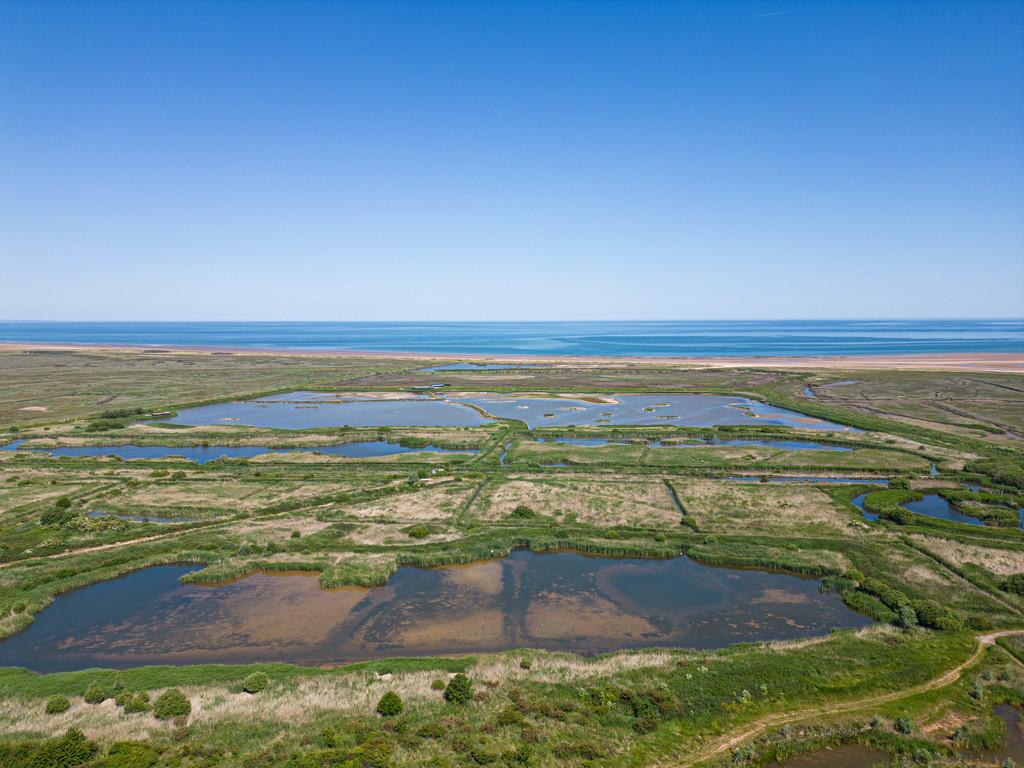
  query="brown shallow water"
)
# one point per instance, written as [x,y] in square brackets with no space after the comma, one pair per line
[843,756]
[560,601]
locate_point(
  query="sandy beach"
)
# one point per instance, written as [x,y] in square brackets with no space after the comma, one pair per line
[952,361]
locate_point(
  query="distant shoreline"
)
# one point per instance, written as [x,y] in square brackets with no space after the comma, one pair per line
[1003,362]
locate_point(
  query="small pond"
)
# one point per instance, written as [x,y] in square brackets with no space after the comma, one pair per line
[201,454]
[560,601]
[843,756]
[1014,746]
[936,506]
[931,505]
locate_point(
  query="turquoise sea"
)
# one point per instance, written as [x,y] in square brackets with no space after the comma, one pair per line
[598,338]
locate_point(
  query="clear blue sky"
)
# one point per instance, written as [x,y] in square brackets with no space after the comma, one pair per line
[517,160]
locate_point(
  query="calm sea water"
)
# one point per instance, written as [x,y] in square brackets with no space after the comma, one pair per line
[690,338]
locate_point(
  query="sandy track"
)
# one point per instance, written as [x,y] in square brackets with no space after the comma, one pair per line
[777,720]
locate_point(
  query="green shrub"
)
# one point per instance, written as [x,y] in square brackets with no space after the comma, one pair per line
[390,704]
[437,685]
[130,754]
[255,682]
[459,690]
[57,704]
[418,531]
[523,512]
[931,614]
[170,704]
[138,702]
[71,749]
[94,694]
[63,503]
[431,730]
[1014,583]
[159,473]
[904,725]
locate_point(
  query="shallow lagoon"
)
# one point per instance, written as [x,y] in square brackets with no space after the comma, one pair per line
[201,454]
[560,601]
[662,409]
[306,410]
[290,411]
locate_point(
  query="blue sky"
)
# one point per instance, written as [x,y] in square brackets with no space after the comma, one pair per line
[520,160]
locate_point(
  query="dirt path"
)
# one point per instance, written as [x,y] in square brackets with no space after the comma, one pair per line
[777,720]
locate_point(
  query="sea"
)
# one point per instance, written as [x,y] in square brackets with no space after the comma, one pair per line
[684,338]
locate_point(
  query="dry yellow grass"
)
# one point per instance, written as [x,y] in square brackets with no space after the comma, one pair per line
[591,500]
[1001,562]
[438,502]
[774,509]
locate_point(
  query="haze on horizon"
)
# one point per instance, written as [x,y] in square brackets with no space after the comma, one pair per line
[511,160]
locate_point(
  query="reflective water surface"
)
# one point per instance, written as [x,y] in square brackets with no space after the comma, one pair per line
[305,410]
[559,601]
[201,454]
[661,409]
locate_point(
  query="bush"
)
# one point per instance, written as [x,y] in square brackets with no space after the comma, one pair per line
[130,754]
[63,503]
[931,614]
[57,704]
[437,685]
[71,749]
[459,690]
[137,702]
[897,515]
[390,704]
[418,531]
[523,512]
[904,725]
[255,682]
[94,694]
[1014,583]
[171,704]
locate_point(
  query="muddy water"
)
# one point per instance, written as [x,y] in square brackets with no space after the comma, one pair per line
[844,756]
[560,601]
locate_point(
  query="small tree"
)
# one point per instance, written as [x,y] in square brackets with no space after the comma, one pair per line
[94,694]
[57,704]
[171,704]
[459,690]
[255,682]
[390,704]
